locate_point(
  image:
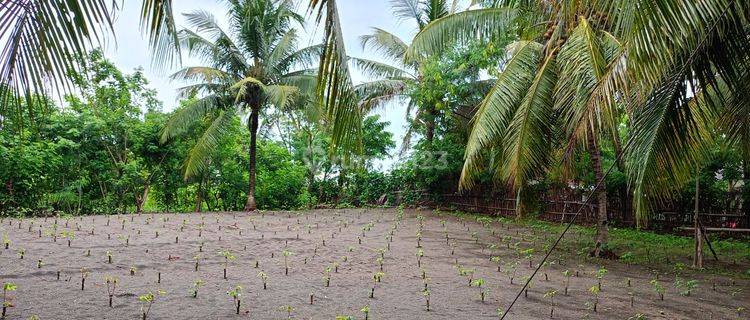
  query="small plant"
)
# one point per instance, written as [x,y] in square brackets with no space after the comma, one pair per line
[21,253]
[529,255]
[685,287]
[327,276]
[599,276]
[111,287]
[7,287]
[426,294]
[510,270]
[366,311]
[551,296]
[466,272]
[594,290]
[228,256]
[567,275]
[658,288]
[133,269]
[478,283]
[6,241]
[263,277]
[147,300]
[109,257]
[236,294]
[84,275]
[496,260]
[419,254]
[288,309]
[286,254]
[196,285]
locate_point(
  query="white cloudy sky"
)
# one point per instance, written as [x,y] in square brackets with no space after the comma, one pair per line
[358,16]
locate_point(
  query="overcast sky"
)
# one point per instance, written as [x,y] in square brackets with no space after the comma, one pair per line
[357,17]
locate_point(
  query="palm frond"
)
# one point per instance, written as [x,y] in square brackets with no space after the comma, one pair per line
[490,124]
[280,96]
[407,10]
[462,27]
[670,139]
[157,19]
[377,69]
[374,94]
[42,40]
[203,74]
[189,114]
[335,87]
[529,140]
[199,155]
[385,43]
[592,74]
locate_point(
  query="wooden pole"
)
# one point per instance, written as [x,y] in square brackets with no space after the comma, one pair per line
[698,254]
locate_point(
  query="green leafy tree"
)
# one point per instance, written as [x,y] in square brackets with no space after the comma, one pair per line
[247,69]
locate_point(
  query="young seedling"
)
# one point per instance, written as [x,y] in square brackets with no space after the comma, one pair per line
[288,309]
[327,276]
[478,283]
[567,275]
[658,288]
[263,277]
[147,300]
[133,269]
[466,272]
[420,254]
[510,270]
[109,257]
[228,256]
[685,287]
[84,275]
[366,311]
[529,255]
[551,296]
[287,254]
[496,260]
[426,294]
[236,294]
[599,276]
[196,285]
[6,241]
[21,253]
[595,292]
[111,287]
[7,288]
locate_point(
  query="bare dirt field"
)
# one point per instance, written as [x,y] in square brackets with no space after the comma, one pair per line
[341,247]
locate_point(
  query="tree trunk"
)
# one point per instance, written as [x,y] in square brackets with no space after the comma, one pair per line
[199,196]
[698,254]
[140,199]
[602,233]
[746,191]
[253,126]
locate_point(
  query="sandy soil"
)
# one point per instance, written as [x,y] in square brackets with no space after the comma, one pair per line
[263,237]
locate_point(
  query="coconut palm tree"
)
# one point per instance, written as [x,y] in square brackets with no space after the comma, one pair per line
[400,72]
[576,63]
[247,68]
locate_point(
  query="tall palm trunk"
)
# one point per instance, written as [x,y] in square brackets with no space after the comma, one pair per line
[253,126]
[602,233]
[746,190]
